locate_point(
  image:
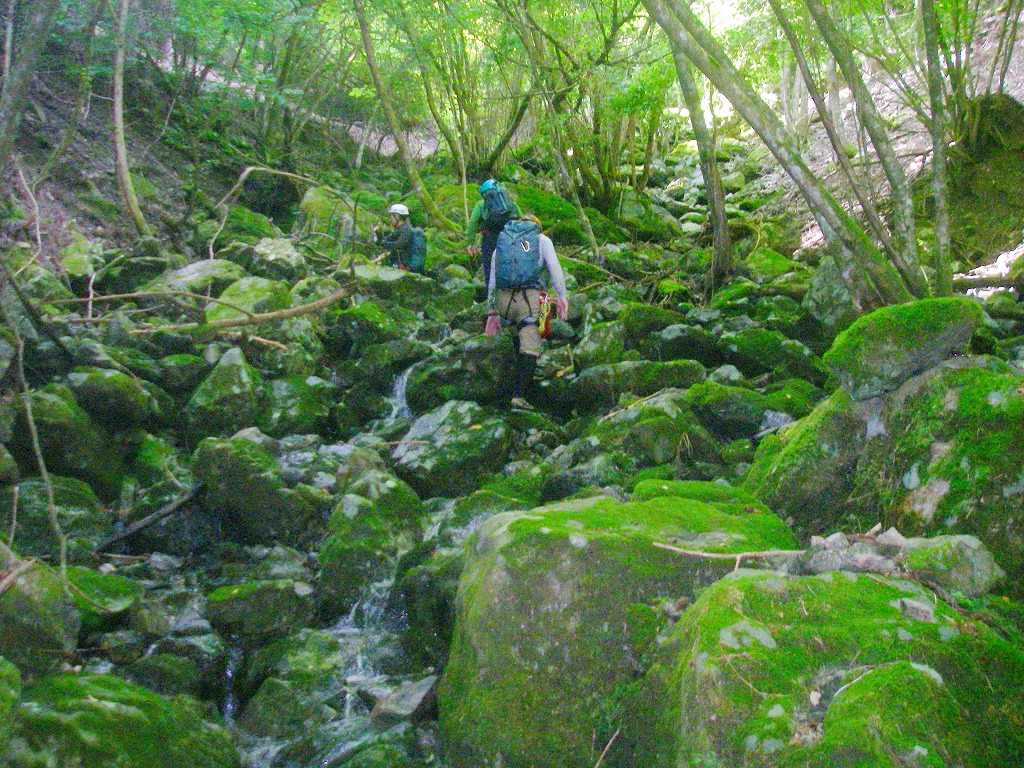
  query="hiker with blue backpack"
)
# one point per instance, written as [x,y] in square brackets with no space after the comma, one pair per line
[515,295]
[490,214]
[406,244]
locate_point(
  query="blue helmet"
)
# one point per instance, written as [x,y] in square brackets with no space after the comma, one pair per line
[488,185]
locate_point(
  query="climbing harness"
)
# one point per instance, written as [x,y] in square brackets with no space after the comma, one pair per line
[544,321]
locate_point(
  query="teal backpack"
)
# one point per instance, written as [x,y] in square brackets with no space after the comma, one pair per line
[517,261]
[418,253]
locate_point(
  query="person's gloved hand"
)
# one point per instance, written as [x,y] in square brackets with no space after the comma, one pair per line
[473,250]
[562,309]
[493,324]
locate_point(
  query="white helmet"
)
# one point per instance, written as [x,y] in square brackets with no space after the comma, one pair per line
[399,210]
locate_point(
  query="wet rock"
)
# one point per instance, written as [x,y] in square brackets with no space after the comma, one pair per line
[894,684]
[426,594]
[958,564]
[604,343]
[477,369]
[100,720]
[381,364]
[412,701]
[230,398]
[451,448]
[38,621]
[166,674]
[105,600]
[729,412]
[882,350]
[245,488]
[207,654]
[115,399]
[261,610]
[688,342]
[567,590]
[600,388]
[297,405]
[757,351]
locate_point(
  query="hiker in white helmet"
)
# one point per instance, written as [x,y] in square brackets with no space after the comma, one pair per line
[399,241]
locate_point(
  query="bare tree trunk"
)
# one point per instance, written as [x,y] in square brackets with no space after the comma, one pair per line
[721,263]
[396,126]
[941,257]
[38,21]
[848,243]
[124,177]
[904,238]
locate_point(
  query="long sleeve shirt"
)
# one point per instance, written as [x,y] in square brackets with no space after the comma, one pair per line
[547,258]
[399,243]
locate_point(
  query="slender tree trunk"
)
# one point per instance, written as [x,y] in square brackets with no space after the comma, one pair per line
[488,163]
[904,237]
[124,177]
[848,243]
[721,263]
[38,21]
[396,126]
[941,257]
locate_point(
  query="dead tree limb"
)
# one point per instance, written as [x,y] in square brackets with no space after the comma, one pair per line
[148,520]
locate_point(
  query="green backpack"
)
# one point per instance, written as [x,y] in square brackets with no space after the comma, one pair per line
[418,253]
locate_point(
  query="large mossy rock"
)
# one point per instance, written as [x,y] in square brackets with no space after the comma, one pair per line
[100,721]
[687,342]
[556,608]
[882,350]
[230,398]
[81,516]
[642,321]
[828,671]
[603,343]
[805,472]
[249,296]
[246,490]
[213,275]
[478,369]
[297,405]
[72,443]
[730,413]
[451,448]
[600,387]
[757,351]
[39,622]
[115,399]
[257,611]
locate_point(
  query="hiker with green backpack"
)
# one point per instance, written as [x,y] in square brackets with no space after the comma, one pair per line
[492,211]
[515,295]
[406,244]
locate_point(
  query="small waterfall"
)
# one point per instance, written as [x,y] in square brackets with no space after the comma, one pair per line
[234,662]
[400,404]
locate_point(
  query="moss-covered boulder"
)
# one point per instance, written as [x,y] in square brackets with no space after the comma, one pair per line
[882,350]
[72,443]
[257,611]
[603,343]
[659,430]
[805,471]
[478,369]
[105,600]
[249,296]
[426,593]
[959,564]
[182,372]
[8,467]
[382,364]
[81,516]
[115,399]
[730,413]
[297,405]
[450,448]
[167,674]
[39,622]
[295,683]
[246,491]
[366,323]
[557,607]
[10,692]
[757,351]
[642,321]
[946,457]
[377,519]
[213,275]
[230,398]
[410,290]
[600,387]
[830,670]
[99,721]
[687,342]
[275,258]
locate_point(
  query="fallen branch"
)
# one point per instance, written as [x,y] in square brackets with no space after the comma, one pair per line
[738,557]
[149,294]
[257,319]
[23,567]
[148,520]
[607,747]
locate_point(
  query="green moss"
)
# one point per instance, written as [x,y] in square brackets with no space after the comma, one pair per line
[99,721]
[104,599]
[766,265]
[247,226]
[166,674]
[643,320]
[249,296]
[796,397]
[551,604]
[258,610]
[885,348]
[80,514]
[765,670]
[10,692]
[730,412]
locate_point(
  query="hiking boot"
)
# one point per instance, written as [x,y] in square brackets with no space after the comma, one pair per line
[521,404]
